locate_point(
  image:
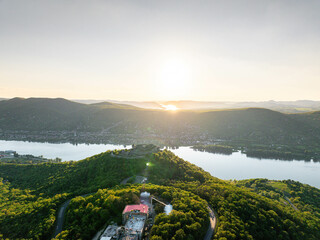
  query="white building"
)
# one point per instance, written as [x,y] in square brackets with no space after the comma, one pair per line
[110,233]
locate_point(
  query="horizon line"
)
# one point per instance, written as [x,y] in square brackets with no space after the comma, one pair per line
[160,101]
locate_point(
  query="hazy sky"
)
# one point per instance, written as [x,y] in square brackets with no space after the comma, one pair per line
[160,50]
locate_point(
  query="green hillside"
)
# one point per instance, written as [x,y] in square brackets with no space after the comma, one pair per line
[261,130]
[71,177]
[252,210]
[30,194]
[43,114]
[188,220]
[304,197]
[40,113]
[257,124]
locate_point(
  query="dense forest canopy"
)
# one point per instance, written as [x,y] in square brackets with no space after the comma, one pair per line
[252,209]
[188,220]
[26,215]
[88,175]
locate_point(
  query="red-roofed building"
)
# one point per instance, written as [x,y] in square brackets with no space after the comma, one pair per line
[138,209]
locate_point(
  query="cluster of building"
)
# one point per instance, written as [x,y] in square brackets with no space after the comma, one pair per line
[10,156]
[7,154]
[190,135]
[134,219]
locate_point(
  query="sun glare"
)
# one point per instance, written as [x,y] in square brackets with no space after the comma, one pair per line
[169,107]
[173,80]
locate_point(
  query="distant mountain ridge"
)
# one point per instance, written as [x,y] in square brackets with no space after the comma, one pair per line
[105,105]
[299,106]
[282,106]
[247,124]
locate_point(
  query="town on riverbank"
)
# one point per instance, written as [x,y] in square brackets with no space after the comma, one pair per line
[11,156]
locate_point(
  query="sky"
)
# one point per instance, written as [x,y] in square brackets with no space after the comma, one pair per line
[224,50]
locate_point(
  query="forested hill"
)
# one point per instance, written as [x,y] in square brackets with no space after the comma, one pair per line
[38,114]
[106,105]
[254,209]
[253,124]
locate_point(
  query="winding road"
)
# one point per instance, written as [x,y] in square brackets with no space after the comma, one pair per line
[139,179]
[63,208]
[60,217]
[212,225]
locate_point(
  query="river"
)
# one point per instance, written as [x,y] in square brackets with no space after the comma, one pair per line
[236,166]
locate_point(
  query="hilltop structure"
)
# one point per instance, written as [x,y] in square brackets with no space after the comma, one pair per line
[135,210]
[137,220]
[134,218]
[139,150]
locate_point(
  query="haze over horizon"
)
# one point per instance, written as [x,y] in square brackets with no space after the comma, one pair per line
[160,51]
[155,101]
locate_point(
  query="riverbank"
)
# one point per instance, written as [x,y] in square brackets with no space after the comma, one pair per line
[235,166]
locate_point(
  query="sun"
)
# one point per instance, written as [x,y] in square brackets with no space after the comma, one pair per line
[173,79]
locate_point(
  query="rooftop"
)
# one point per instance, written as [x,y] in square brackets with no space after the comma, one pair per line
[139,207]
[135,224]
[110,231]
